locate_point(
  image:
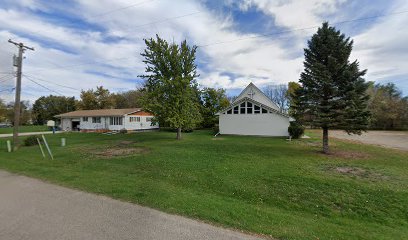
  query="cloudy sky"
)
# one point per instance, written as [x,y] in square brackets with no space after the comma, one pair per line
[81,44]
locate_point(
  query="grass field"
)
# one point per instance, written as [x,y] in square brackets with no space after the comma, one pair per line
[269,186]
[22,129]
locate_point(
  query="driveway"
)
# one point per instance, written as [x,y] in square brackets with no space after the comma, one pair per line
[390,139]
[35,210]
[4,135]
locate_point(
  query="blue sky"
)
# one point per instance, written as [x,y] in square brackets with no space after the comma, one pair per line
[86,43]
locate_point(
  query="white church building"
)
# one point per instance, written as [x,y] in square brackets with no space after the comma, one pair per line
[253,113]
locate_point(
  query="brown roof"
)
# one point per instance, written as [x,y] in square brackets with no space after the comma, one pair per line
[99,112]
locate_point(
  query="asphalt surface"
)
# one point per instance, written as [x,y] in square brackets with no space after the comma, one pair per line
[390,139]
[35,210]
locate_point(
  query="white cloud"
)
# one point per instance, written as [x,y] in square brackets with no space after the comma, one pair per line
[232,65]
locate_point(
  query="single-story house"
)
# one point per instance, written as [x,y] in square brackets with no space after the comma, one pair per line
[102,120]
[253,113]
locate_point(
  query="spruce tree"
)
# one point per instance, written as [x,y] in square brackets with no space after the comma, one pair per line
[333,92]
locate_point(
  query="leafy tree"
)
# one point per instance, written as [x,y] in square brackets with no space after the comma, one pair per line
[213,101]
[170,86]
[100,98]
[333,92]
[291,95]
[25,112]
[128,99]
[389,109]
[3,111]
[46,107]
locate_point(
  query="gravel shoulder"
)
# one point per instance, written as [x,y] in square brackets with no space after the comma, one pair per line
[389,139]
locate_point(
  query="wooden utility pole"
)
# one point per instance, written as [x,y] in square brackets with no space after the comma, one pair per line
[17,105]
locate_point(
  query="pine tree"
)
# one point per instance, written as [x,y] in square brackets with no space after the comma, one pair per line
[170,90]
[333,92]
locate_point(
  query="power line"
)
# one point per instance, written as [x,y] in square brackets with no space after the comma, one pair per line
[121,8]
[39,79]
[6,90]
[6,79]
[39,84]
[229,41]
[300,29]
[102,14]
[81,64]
[165,20]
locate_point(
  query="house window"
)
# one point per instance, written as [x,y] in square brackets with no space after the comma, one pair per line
[229,111]
[84,119]
[149,119]
[96,119]
[134,119]
[242,109]
[264,110]
[249,108]
[236,110]
[116,121]
[257,109]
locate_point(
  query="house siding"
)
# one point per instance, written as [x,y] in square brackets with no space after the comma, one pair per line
[270,124]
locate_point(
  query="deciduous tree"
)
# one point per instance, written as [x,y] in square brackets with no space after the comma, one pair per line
[213,101]
[170,86]
[46,107]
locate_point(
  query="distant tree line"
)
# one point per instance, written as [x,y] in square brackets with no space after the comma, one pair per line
[7,112]
[388,107]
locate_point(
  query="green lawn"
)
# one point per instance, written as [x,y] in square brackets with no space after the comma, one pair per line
[22,129]
[270,186]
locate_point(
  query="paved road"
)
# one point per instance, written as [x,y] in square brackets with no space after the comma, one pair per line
[35,210]
[391,139]
[4,135]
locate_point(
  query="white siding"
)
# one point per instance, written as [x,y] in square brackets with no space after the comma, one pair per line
[66,124]
[143,124]
[268,124]
[89,125]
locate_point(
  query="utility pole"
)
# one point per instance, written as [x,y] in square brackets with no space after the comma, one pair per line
[17,105]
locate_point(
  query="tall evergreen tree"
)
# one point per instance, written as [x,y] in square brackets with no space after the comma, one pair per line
[333,92]
[170,90]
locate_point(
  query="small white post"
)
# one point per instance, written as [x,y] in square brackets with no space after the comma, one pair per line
[39,144]
[48,148]
[63,142]
[8,146]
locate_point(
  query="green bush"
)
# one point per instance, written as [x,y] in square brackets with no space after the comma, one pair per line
[296,130]
[31,140]
[216,129]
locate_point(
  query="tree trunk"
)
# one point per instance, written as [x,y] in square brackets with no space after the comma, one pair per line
[326,140]
[179,133]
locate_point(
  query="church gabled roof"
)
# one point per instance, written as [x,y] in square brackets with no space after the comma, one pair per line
[247,99]
[253,92]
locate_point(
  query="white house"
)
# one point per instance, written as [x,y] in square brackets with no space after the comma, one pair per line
[253,113]
[103,120]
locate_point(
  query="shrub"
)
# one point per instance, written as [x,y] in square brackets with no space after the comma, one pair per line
[31,140]
[296,130]
[216,129]
[123,131]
